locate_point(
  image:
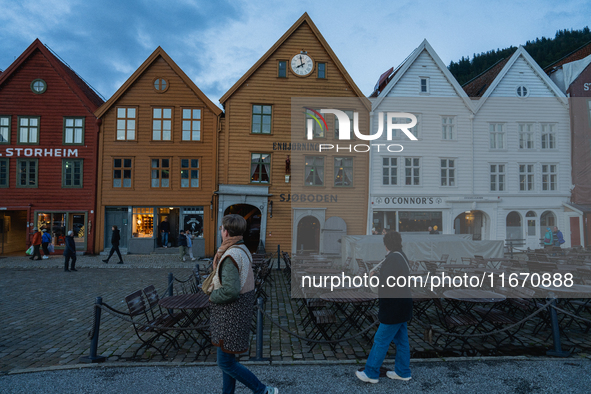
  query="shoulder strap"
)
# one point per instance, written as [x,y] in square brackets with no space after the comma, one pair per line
[405,260]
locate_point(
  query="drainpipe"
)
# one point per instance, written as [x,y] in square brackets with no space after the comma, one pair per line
[370,183]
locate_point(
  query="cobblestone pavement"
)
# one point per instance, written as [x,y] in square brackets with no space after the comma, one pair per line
[47,314]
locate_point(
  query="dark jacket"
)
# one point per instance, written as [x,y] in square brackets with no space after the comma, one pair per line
[182,240]
[395,302]
[70,247]
[115,237]
[164,226]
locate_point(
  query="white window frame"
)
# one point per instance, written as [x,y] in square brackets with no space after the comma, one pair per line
[162,124]
[548,130]
[527,177]
[448,128]
[448,172]
[31,130]
[73,130]
[390,169]
[190,125]
[498,177]
[427,85]
[494,134]
[526,130]
[549,177]
[126,123]
[415,171]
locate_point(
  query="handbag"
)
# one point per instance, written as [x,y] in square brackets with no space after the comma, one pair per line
[29,251]
[207,285]
[51,248]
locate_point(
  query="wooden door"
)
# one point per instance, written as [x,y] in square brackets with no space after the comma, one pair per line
[575,234]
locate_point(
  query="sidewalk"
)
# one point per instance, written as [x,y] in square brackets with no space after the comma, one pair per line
[474,376]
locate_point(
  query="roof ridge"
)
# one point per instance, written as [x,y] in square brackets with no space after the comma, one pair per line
[567,55]
[485,71]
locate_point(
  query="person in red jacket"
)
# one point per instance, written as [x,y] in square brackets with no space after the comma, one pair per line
[36,244]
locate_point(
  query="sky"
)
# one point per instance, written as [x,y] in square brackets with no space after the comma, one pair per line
[216,42]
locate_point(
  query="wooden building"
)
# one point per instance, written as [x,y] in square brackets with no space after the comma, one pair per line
[572,74]
[266,164]
[158,153]
[48,147]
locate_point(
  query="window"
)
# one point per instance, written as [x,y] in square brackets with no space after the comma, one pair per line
[390,171]
[414,131]
[497,136]
[26,175]
[260,167]
[261,119]
[160,85]
[143,222]
[189,172]
[161,124]
[522,91]
[448,172]
[549,174]
[447,127]
[343,171]
[71,173]
[314,171]
[3,172]
[54,222]
[526,136]
[322,70]
[336,124]
[160,172]
[122,172]
[4,129]
[74,131]
[410,221]
[28,130]
[282,69]
[412,171]
[126,120]
[548,136]
[316,124]
[424,85]
[38,86]
[497,177]
[191,124]
[526,177]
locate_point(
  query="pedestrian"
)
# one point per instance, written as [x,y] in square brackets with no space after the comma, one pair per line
[395,310]
[164,228]
[115,238]
[70,252]
[36,244]
[45,241]
[558,237]
[231,308]
[190,244]
[384,231]
[548,239]
[183,245]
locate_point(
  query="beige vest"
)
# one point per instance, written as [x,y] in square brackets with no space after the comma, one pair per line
[243,259]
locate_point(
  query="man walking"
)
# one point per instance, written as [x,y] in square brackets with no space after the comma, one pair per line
[183,245]
[115,238]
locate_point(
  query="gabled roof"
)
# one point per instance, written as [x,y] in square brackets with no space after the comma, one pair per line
[403,68]
[88,96]
[159,52]
[305,18]
[478,85]
[578,54]
[520,52]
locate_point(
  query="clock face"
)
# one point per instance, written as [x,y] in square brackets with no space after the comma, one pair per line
[302,64]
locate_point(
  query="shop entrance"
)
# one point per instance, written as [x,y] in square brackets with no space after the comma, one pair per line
[470,222]
[173,220]
[13,231]
[252,235]
[116,216]
[308,236]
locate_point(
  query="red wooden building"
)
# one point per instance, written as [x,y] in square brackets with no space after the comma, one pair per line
[48,152]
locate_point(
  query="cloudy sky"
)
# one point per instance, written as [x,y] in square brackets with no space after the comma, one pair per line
[216,42]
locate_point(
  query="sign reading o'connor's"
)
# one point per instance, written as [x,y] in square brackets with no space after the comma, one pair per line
[407,201]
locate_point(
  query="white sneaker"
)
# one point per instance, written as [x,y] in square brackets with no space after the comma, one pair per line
[193,258]
[272,390]
[363,377]
[184,259]
[45,257]
[393,375]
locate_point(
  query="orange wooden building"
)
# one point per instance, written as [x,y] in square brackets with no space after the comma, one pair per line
[290,193]
[158,154]
[48,148]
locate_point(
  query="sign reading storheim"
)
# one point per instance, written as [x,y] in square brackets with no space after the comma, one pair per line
[40,152]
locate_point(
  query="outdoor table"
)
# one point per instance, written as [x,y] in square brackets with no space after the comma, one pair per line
[352,304]
[193,306]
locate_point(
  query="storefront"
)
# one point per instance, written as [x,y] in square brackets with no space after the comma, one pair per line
[58,224]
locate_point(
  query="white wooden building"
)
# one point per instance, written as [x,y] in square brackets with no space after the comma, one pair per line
[491,159]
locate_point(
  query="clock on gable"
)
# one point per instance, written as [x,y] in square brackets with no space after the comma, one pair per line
[302,64]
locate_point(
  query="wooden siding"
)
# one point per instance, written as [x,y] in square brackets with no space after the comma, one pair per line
[142,96]
[264,87]
[59,100]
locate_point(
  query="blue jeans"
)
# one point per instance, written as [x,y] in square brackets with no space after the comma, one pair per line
[164,239]
[387,333]
[233,371]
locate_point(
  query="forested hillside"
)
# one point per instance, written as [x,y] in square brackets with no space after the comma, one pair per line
[544,50]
